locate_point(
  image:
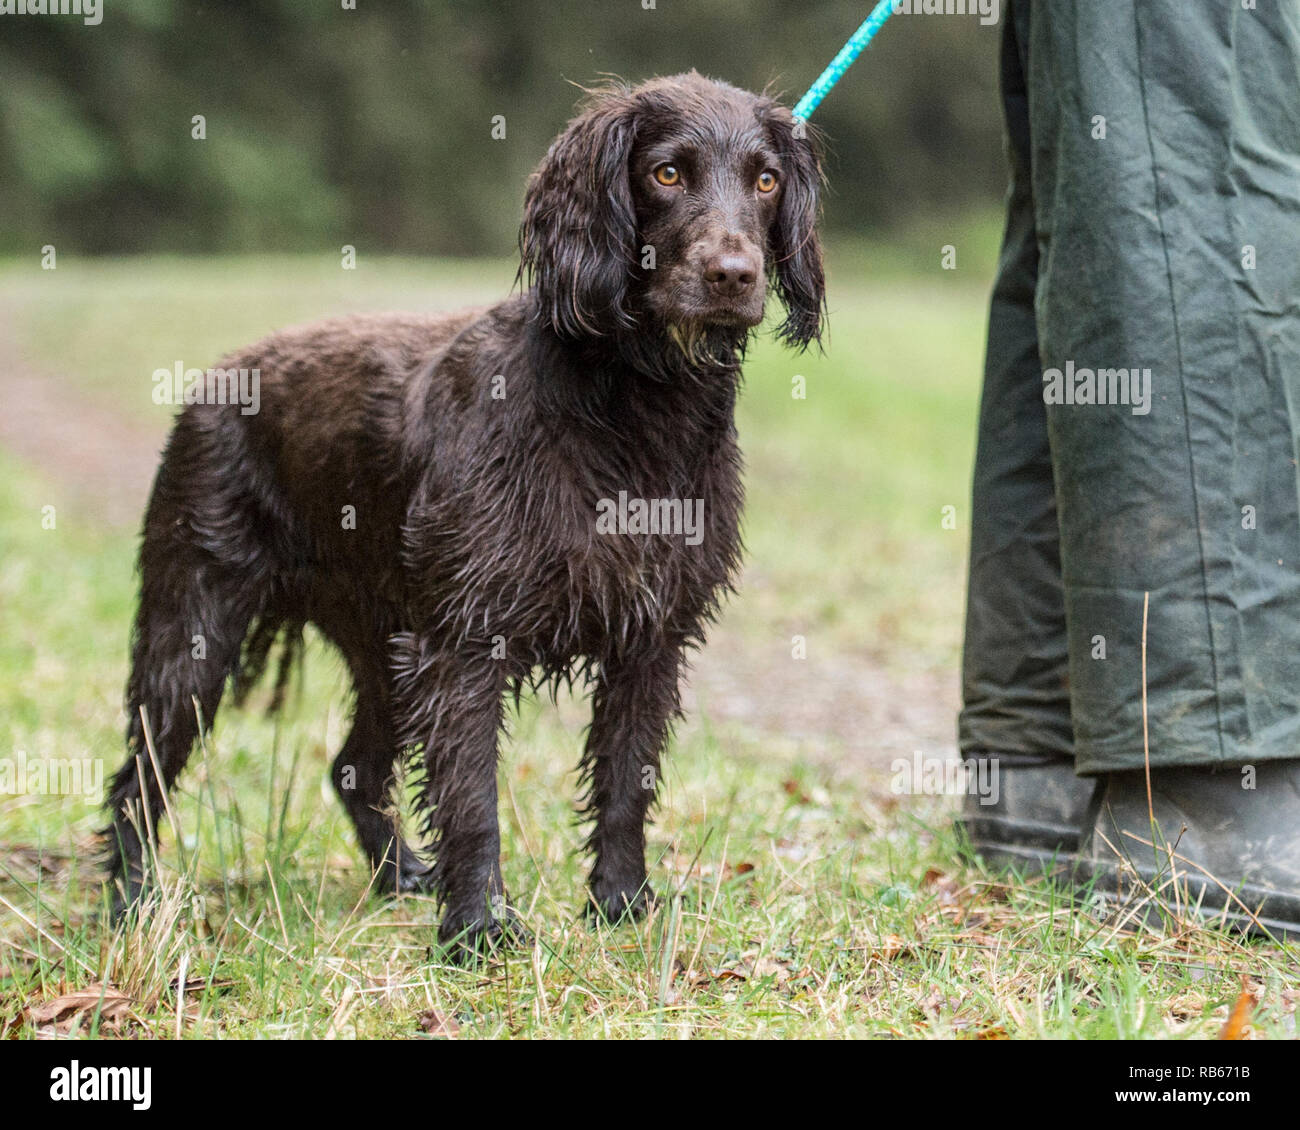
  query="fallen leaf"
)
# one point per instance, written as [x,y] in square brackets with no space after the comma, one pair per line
[31,863]
[1189,1005]
[694,869]
[199,984]
[944,886]
[747,968]
[792,789]
[931,1005]
[891,946]
[767,967]
[64,1012]
[1234,1028]
[436,1023]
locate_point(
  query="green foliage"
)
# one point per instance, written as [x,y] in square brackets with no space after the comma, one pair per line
[327,126]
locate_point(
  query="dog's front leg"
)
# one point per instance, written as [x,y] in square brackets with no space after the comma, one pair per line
[634,706]
[451,702]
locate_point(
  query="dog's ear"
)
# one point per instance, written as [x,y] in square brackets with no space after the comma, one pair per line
[796,253]
[577,242]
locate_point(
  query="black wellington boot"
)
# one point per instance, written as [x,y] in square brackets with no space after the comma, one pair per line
[1037,821]
[1231,829]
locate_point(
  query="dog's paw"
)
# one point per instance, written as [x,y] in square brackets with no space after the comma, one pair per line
[410,877]
[126,895]
[620,905]
[466,940]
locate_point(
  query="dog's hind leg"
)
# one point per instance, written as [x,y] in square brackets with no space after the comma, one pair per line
[364,777]
[196,602]
[186,645]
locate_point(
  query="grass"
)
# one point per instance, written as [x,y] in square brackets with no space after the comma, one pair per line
[800,897]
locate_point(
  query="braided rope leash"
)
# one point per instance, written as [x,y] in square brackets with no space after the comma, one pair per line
[844,60]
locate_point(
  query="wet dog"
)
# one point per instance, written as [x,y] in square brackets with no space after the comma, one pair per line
[468,504]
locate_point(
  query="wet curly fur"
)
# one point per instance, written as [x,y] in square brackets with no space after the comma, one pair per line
[474,448]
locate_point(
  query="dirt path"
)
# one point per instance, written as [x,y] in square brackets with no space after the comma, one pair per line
[840,711]
[102,460]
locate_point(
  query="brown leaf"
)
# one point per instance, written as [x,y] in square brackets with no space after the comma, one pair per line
[891,946]
[694,869]
[768,967]
[31,863]
[1186,1006]
[750,965]
[1234,1028]
[65,1011]
[199,984]
[933,1004]
[438,1024]
[953,899]
[791,788]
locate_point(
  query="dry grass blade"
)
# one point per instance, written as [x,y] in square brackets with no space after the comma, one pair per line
[1209,875]
[1146,735]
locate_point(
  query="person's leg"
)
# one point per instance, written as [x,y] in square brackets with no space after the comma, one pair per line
[1014,685]
[1167,192]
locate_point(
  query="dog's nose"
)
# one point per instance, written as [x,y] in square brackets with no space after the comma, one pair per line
[731,274]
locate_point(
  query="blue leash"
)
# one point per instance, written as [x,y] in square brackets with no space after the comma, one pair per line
[844,60]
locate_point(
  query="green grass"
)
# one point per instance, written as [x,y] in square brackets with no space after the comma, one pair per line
[800,897]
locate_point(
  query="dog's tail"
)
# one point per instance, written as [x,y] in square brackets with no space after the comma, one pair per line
[256,656]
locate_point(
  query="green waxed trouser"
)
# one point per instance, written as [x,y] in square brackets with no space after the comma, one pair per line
[1154,223]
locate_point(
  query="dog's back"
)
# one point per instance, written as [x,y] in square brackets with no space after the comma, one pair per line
[334,405]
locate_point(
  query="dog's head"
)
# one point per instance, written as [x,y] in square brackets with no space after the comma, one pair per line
[675,202]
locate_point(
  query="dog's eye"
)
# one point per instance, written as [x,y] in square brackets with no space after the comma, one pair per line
[767,181]
[668,175]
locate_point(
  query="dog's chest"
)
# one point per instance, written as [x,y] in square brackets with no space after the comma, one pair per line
[643,580]
[583,564]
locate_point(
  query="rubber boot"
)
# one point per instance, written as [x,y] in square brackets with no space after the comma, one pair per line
[1234,834]
[1037,822]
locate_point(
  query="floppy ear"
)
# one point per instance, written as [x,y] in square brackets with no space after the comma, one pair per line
[578,237]
[796,252]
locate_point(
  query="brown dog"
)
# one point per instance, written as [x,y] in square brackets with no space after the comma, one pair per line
[468,503]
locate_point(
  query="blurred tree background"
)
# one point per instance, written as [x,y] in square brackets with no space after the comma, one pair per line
[372,126]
